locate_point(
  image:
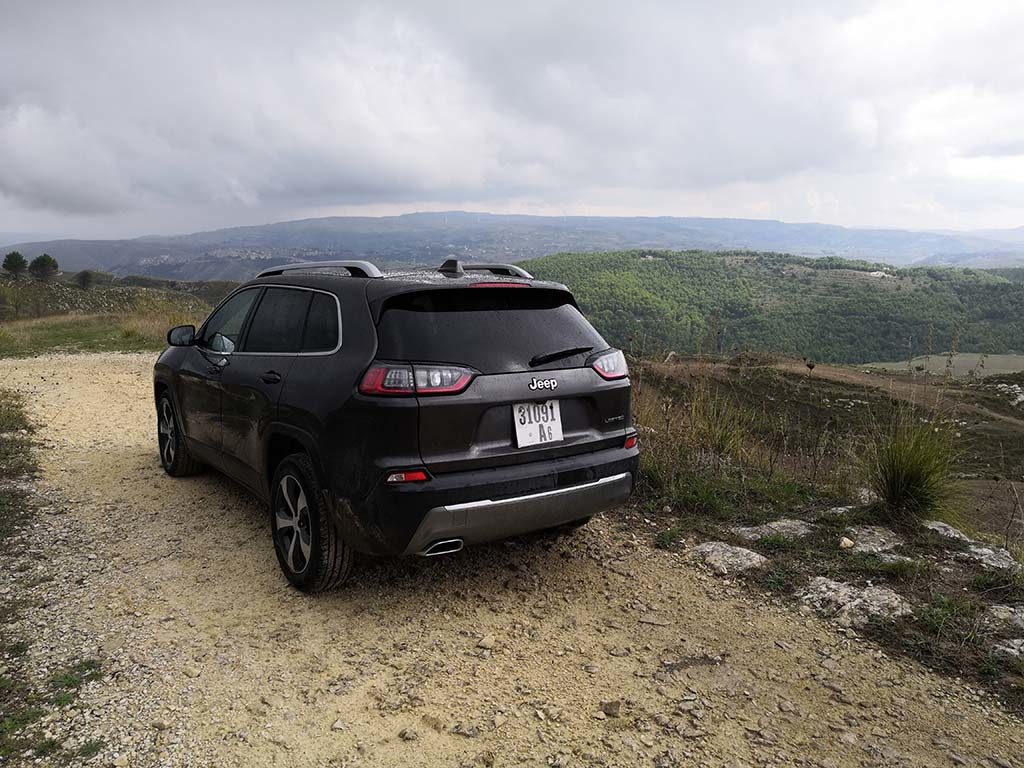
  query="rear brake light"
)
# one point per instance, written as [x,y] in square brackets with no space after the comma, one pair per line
[611,365]
[631,442]
[386,379]
[500,285]
[408,476]
[426,379]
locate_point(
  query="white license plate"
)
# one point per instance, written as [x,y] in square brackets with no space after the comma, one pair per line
[537,423]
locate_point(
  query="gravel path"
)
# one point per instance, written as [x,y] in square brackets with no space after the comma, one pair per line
[589,649]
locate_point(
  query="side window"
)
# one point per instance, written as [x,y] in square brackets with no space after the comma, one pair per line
[277,324]
[221,332]
[321,324]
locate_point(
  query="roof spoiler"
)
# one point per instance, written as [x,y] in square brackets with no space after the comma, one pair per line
[355,268]
[453,267]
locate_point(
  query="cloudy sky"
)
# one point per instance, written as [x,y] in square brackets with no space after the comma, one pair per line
[120,119]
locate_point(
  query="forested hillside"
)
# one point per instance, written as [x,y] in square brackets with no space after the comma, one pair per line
[827,309]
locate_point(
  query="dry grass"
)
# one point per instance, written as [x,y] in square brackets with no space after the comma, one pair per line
[140,330]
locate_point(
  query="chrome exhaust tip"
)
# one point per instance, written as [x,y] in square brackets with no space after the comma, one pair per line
[442,547]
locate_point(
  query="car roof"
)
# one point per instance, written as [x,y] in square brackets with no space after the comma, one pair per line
[392,283]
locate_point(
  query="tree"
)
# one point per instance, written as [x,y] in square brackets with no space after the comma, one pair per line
[43,267]
[15,264]
[85,279]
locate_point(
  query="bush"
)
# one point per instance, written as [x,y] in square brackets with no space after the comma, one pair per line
[908,463]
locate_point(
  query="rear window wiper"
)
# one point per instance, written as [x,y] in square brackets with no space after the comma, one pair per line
[550,357]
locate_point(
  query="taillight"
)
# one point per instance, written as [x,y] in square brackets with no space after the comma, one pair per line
[426,379]
[631,442]
[441,379]
[611,365]
[407,476]
[387,379]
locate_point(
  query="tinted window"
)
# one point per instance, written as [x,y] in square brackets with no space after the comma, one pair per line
[494,330]
[225,325]
[277,324]
[321,324]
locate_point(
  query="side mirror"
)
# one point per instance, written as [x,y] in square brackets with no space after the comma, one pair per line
[182,336]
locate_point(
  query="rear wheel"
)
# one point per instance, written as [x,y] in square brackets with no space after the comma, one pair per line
[309,547]
[174,455]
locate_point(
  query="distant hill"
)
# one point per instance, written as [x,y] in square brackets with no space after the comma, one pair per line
[428,238]
[827,309]
[30,299]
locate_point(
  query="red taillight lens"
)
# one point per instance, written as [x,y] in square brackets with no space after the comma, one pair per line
[611,365]
[426,379]
[388,379]
[407,476]
[631,442]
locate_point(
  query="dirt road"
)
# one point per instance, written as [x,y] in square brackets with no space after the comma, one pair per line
[499,655]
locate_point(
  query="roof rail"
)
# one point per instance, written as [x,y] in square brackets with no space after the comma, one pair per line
[356,268]
[456,267]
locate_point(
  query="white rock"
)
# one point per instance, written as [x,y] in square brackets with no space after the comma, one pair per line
[992,558]
[1013,647]
[724,559]
[946,530]
[786,527]
[846,543]
[872,539]
[1006,614]
[853,606]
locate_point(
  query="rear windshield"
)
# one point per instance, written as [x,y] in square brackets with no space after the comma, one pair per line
[495,330]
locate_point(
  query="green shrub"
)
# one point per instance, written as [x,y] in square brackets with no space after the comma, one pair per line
[908,463]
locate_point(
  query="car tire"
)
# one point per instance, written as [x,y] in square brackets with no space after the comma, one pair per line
[309,547]
[174,454]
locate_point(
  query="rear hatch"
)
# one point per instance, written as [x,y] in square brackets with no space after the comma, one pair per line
[529,348]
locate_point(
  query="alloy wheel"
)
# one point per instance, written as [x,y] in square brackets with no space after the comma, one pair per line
[167,433]
[291,524]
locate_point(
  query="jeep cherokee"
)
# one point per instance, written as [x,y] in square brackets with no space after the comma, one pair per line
[400,413]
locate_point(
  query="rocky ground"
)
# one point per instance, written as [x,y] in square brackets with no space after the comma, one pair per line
[571,650]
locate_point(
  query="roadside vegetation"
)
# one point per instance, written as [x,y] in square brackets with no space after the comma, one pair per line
[97,314]
[24,702]
[730,444]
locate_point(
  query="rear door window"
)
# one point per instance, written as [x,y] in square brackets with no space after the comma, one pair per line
[278,322]
[495,330]
[321,324]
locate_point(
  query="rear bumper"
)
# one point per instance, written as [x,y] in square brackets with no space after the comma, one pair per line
[487,504]
[475,522]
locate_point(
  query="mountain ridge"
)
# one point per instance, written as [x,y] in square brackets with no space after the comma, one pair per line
[429,237]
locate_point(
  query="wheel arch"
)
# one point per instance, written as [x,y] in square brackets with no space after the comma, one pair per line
[282,441]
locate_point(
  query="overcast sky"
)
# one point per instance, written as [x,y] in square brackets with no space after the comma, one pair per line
[120,119]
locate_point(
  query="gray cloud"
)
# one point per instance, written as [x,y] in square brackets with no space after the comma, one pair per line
[122,117]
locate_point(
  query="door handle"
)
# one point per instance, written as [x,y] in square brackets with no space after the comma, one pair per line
[271,377]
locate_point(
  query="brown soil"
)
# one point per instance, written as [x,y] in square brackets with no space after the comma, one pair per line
[245,671]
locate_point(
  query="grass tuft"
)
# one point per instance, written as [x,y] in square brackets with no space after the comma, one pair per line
[908,463]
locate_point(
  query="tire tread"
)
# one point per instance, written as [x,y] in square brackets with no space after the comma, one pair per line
[335,561]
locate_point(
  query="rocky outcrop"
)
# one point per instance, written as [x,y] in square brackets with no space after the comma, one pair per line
[990,557]
[786,528]
[725,559]
[854,606]
[946,531]
[872,539]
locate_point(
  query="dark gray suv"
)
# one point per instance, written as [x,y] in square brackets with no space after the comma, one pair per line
[400,413]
